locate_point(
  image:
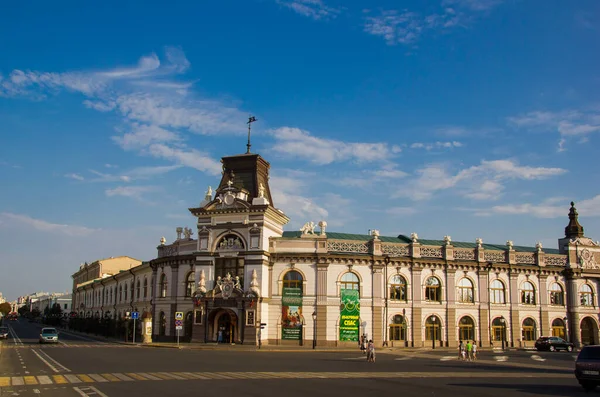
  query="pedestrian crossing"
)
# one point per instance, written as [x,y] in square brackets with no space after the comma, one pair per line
[31,380]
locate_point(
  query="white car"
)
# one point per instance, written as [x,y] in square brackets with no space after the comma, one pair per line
[49,335]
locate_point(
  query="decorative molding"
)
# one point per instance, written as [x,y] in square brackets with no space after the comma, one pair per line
[495,256]
[526,258]
[464,254]
[342,246]
[431,252]
[395,249]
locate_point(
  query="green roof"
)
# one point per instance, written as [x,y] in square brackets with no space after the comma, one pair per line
[406,240]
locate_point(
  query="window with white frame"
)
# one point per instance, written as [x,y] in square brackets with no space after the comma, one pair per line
[465,291]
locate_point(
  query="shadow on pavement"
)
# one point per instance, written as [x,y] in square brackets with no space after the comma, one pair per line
[502,368]
[537,389]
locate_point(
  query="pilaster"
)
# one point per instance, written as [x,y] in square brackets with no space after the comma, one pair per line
[321,306]
[515,325]
[484,313]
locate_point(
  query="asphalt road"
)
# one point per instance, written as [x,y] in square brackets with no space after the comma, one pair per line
[81,366]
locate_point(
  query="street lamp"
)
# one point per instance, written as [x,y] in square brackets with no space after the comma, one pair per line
[433,319]
[314,316]
[503,321]
[565,319]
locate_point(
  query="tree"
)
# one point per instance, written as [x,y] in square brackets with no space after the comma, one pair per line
[23,310]
[5,308]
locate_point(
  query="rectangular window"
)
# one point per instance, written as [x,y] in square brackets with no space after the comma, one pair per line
[250,321]
[198,317]
[65,306]
[232,266]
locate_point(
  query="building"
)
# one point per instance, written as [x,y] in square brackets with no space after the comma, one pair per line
[45,302]
[314,286]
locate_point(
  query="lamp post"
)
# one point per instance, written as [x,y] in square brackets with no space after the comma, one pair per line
[433,319]
[314,317]
[503,321]
[565,319]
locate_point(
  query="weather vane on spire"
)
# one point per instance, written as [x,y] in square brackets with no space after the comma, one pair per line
[251,120]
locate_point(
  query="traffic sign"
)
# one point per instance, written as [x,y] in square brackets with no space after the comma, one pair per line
[179,327]
[178,315]
[178,323]
[135,315]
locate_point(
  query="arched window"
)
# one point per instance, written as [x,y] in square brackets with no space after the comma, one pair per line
[131,290]
[111,295]
[398,289]
[586,295]
[145,287]
[558,328]
[292,279]
[162,323]
[190,283]
[529,329]
[527,293]
[432,328]
[465,291]
[398,328]
[557,296]
[350,281]
[125,292]
[120,293]
[497,293]
[163,285]
[499,326]
[137,290]
[433,290]
[466,328]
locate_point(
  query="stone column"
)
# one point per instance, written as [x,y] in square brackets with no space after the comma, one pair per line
[321,309]
[572,308]
[484,307]
[416,322]
[451,320]
[174,294]
[378,310]
[515,324]
[544,316]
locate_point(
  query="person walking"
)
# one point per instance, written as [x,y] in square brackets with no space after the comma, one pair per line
[474,351]
[371,352]
[461,350]
[469,350]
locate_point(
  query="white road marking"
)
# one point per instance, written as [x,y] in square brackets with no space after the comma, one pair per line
[402,358]
[52,367]
[98,378]
[15,337]
[355,358]
[448,358]
[89,391]
[59,365]
[36,391]
[537,358]
[17,381]
[44,380]
[501,358]
[72,378]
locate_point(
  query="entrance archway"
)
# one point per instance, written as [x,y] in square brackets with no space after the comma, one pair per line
[189,320]
[589,331]
[223,326]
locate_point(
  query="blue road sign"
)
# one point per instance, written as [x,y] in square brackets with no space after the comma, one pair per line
[135,315]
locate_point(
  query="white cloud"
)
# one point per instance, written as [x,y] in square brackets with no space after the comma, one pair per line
[474,5]
[481,182]
[314,9]
[550,208]
[137,173]
[568,123]
[75,176]
[187,157]
[100,106]
[436,145]
[294,141]
[134,192]
[107,165]
[145,66]
[18,220]
[145,135]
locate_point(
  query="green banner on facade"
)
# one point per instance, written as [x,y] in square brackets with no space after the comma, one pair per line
[350,315]
[291,313]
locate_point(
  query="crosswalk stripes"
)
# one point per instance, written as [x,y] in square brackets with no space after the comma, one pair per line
[70,346]
[160,376]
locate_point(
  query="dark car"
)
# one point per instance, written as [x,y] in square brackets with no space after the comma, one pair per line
[587,367]
[3,332]
[553,343]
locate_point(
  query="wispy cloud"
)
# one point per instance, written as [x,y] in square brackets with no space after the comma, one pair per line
[436,145]
[568,123]
[8,219]
[480,182]
[406,26]
[549,208]
[314,9]
[77,177]
[139,173]
[7,164]
[294,141]
[134,192]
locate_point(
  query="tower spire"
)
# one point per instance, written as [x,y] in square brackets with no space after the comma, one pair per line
[251,120]
[573,229]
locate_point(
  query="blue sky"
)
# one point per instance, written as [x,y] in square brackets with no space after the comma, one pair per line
[468,118]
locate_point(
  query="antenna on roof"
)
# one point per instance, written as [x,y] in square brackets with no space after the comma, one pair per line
[251,120]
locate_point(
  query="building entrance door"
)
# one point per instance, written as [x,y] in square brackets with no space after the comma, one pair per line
[225,328]
[588,332]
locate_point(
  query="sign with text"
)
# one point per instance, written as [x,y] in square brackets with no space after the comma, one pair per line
[291,313]
[135,315]
[350,315]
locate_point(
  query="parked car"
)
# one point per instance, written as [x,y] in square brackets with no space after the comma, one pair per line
[3,332]
[553,343]
[587,367]
[49,335]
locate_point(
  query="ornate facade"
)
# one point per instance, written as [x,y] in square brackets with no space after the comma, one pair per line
[242,270]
